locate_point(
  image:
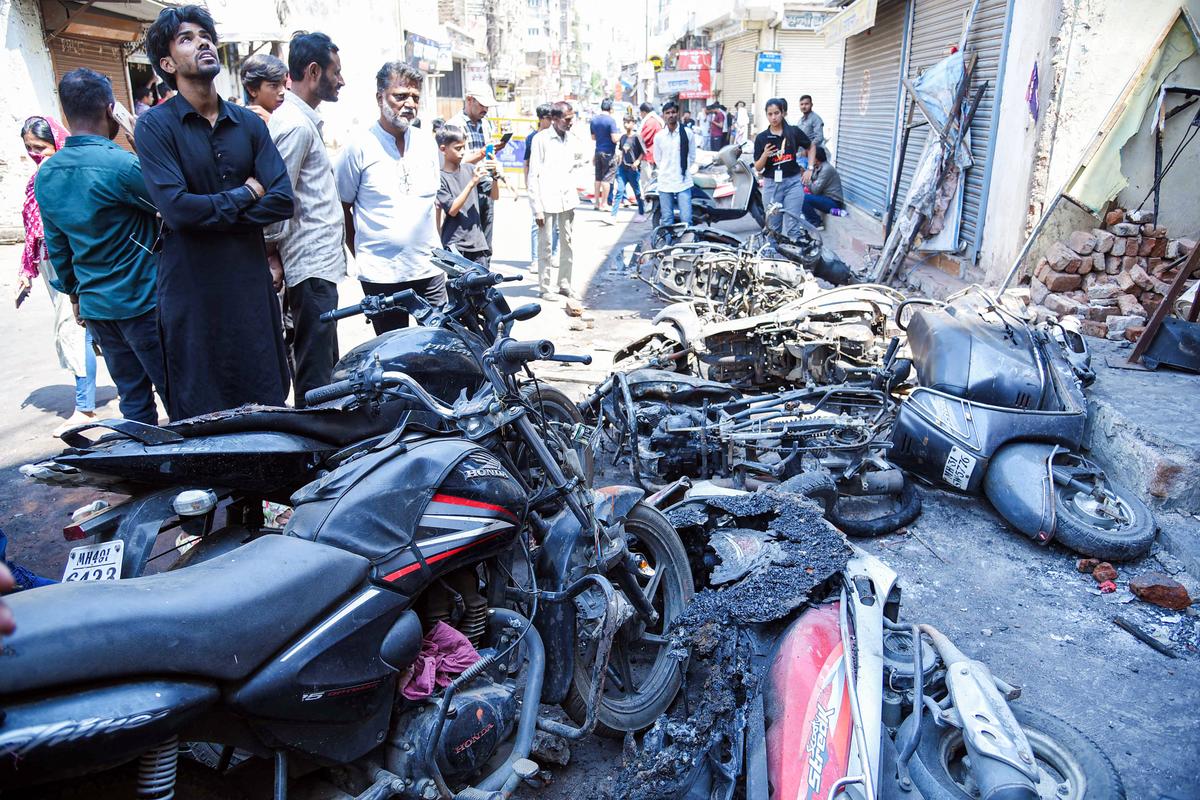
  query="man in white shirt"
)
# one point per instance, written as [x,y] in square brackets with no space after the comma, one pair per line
[553,197]
[308,248]
[675,154]
[388,181]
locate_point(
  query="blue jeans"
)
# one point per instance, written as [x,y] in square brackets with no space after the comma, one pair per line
[627,176]
[790,194]
[85,385]
[533,241]
[817,204]
[133,351]
[669,201]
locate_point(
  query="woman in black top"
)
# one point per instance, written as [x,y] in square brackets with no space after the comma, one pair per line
[777,151]
[629,153]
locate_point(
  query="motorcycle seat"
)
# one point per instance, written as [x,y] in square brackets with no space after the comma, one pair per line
[220,619]
[339,423]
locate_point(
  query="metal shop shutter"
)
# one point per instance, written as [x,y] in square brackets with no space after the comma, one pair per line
[936,26]
[737,69]
[108,59]
[809,67]
[867,117]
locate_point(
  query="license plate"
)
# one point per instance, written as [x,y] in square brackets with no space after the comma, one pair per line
[959,466]
[95,562]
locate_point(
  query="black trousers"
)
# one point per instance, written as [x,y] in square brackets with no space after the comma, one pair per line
[433,289]
[314,343]
[133,353]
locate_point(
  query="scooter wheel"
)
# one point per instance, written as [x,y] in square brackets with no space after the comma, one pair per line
[1084,533]
[1070,765]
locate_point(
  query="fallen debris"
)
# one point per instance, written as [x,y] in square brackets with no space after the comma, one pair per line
[1161,590]
[1104,573]
[1142,636]
[1086,565]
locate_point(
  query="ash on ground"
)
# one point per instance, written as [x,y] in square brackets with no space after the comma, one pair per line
[768,554]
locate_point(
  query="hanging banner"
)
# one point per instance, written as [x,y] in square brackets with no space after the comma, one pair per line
[693,59]
[422,53]
[854,18]
[700,63]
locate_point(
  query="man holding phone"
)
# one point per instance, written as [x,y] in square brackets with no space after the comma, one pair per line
[776,154]
[477,99]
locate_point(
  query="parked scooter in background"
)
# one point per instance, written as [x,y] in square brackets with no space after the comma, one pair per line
[1001,411]
[707,208]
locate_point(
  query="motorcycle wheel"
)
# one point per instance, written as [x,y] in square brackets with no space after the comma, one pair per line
[561,415]
[814,484]
[1095,535]
[640,657]
[1070,765]
[907,507]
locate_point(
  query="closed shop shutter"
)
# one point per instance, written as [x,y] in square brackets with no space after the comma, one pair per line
[809,67]
[108,59]
[867,119]
[737,69]
[936,27]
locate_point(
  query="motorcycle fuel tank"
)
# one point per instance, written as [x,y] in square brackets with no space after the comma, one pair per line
[438,359]
[807,704]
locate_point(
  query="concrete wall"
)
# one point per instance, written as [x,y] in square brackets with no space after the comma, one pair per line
[1086,50]
[28,89]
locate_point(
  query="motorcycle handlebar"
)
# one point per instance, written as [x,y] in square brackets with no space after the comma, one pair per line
[332,391]
[340,313]
[514,353]
[476,281]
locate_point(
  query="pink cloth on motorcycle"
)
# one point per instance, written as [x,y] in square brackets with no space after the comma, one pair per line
[444,654]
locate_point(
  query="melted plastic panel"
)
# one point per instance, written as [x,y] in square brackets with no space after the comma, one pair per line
[730,632]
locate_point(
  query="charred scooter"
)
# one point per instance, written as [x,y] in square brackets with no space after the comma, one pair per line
[290,649]
[1001,411]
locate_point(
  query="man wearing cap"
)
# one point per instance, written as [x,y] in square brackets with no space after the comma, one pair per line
[480,133]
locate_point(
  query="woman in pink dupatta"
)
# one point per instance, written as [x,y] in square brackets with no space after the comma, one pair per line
[43,137]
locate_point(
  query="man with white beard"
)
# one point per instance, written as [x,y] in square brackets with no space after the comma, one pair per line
[388,180]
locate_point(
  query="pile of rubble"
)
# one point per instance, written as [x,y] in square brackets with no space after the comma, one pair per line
[1111,279]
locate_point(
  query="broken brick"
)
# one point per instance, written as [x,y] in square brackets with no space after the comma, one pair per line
[1129,306]
[1134,332]
[1104,240]
[1126,282]
[1037,291]
[1140,216]
[1161,590]
[1146,246]
[1061,258]
[1061,304]
[1118,246]
[1125,229]
[1099,262]
[1104,571]
[1107,587]
[1141,277]
[1112,265]
[1086,565]
[1150,302]
[1082,242]
[1062,282]
[1177,248]
[1159,249]
[1114,217]
[1090,327]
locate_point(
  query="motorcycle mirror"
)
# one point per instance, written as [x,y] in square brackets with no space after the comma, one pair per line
[522,313]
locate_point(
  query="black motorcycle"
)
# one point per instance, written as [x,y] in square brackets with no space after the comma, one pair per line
[284,655]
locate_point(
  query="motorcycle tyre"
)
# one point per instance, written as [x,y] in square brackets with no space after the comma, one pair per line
[1094,542]
[934,783]
[815,484]
[559,408]
[614,723]
[909,509]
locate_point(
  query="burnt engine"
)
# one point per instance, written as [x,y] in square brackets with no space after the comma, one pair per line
[481,715]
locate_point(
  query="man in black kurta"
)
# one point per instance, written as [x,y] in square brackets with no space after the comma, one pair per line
[217,179]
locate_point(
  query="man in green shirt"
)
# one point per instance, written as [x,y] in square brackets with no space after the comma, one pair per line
[101,233]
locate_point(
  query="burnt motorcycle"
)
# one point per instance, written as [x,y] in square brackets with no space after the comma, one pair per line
[823,336]
[231,462]
[1000,410]
[287,652]
[830,443]
[830,693]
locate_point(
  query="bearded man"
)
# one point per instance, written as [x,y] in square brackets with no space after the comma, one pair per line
[388,180]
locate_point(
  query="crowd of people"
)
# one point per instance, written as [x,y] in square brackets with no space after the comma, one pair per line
[201,265]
